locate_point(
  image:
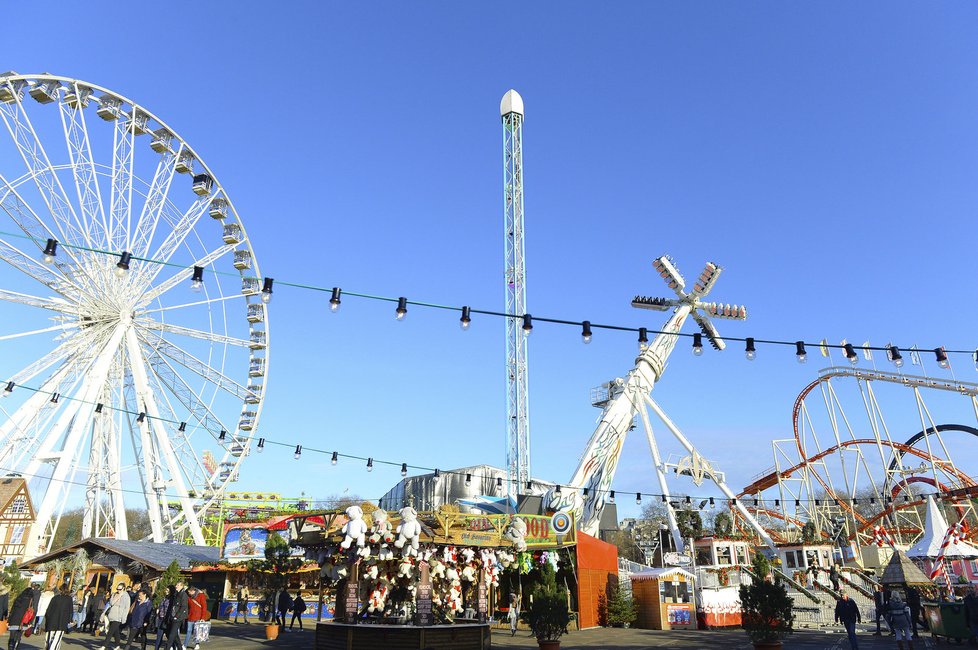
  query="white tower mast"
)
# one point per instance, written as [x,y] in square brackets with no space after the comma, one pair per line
[517,410]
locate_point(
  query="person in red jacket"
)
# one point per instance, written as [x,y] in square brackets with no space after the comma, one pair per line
[197,602]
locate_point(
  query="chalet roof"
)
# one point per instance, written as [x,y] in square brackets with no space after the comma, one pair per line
[151,554]
[656,574]
[9,486]
[902,571]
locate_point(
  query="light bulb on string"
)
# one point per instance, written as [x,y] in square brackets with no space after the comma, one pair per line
[697,344]
[527,324]
[895,356]
[298,452]
[529,485]
[141,417]
[851,353]
[401,312]
[643,339]
[55,397]
[266,290]
[800,353]
[334,300]
[713,504]
[122,266]
[611,497]
[557,489]
[584,492]
[466,320]
[50,251]
[468,480]
[197,281]
[261,445]
[586,332]
[334,458]
[9,388]
[499,482]
[370,464]
[750,352]
[223,435]
[638,498]
[403,469]
[942,358]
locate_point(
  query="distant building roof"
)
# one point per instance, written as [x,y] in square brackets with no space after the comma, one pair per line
[150,554]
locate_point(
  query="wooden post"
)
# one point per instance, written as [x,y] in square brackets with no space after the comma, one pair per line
[319,610]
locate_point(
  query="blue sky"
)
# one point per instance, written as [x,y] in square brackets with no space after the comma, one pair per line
[825,156]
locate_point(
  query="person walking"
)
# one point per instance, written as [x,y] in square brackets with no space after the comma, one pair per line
[834,576]
[847,613]
[18,611]
[899,615]
[284,607]
[116,611]
[913,601]
[298,609]
[42,607]
[80,605]
[160,622]
[197,603]
[98,607]
[58,617]
[881,599]
[243,596]
[176,615]
[514,613]
[139,619]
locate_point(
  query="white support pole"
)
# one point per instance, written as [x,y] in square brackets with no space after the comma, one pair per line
[146,395]
[68,456]
[638,405]
[720,484]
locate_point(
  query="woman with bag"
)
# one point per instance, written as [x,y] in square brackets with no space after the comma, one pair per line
[21,615]
[59,616]
[139,619]
[117,611]
[160,624]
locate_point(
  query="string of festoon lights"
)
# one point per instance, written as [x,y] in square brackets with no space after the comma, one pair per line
[370,462]
[893,352]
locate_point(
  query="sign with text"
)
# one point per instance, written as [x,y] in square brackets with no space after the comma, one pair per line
[424,617]
[352,601]
[483,602]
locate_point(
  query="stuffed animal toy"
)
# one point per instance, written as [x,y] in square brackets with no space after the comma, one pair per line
[469,573]
[437,569]
[506,560]
[515,532]
[355,529]
[370,573]
[449,555]
[408,532]
[378,597]
[406,568]
[525,562]
[455,598]
[468,555]
[380,531]
[451,574]
[385,553]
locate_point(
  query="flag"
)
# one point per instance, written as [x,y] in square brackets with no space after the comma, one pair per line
[867,353]
[914,356]
[823,347]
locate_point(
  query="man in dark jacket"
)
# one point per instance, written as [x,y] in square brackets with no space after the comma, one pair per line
[881,599]
[17,611]
[847,613]
[913,602]
[58,617]
[177,615]
[970,611]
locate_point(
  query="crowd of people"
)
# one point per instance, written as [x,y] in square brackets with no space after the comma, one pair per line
[900,614]
[125,616]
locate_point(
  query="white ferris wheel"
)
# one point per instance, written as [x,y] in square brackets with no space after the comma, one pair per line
[133,325]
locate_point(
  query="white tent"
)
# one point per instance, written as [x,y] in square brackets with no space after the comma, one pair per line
[935,528]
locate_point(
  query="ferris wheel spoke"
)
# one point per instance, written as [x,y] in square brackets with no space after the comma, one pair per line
[157,326]
[142,443]
[178,233]
[161,436]
[33,269]
[192,363]
[83,168]
[184,274]
[177,385]
[141,239]
[53,328]
[34,227]
[52,304]
[193,470]
[42,172]
[120,208]
[208,301]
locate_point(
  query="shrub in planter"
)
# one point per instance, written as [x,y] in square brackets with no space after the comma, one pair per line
[766,613]
[621,609]
[547,615]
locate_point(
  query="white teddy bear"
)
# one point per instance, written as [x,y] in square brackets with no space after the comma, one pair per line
[408,532]
[516,532]
[468,555]
[355,529]
[437,570]
[468,573]
[406,568]
[380,532]
[505,559]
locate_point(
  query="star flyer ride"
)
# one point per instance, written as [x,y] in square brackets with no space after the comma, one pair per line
[624,399]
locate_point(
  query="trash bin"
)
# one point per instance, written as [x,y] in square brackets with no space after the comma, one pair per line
[947,620]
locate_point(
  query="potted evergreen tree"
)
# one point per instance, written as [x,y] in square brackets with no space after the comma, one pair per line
[621,609]
[765,608]
[548,614]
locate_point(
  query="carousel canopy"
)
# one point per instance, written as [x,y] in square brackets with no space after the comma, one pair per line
[935,528]
[902,571]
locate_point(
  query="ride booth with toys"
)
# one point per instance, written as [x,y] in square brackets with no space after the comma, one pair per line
[438,579]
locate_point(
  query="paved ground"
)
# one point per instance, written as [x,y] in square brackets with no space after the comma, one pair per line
[226,636]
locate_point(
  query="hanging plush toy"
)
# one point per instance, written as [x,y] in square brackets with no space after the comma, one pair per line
[451,574]
[506,560]
[378,597]
[408,532]
[468,555]
[525,562]
[437,569]
[469,572]
[515,532]
[455,598]
[355,529]
[406,568]
[449,555]
[380,532]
